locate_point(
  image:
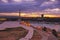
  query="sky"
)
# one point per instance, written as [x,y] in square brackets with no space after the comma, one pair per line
[11,7]
[52,6]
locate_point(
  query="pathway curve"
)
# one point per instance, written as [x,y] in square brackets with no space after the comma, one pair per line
[11,24]
[30,33]
[30,30]
[44,34]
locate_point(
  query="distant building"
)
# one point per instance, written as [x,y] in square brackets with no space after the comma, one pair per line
[42,15]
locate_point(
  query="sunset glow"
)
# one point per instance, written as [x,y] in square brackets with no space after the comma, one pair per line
[9,14]
[51,16]
[28,15]
[2,19]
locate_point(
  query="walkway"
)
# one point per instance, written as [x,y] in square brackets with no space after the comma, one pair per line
[30,33]
[42,33]
[31,29]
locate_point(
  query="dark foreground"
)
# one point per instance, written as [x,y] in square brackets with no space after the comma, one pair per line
[13,33]
[19,32]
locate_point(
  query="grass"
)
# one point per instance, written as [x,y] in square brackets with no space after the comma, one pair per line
[59,35]
[13,33]
[17,33]
[36,36]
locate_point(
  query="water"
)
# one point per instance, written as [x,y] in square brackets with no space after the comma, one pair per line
[10,24]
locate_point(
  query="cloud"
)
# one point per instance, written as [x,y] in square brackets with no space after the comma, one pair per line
[26,5]
[4,1]
[54,10]
[17,1]
[53,0]
[48,3]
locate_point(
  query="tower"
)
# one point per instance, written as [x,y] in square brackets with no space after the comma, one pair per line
[19,19]
[42,15]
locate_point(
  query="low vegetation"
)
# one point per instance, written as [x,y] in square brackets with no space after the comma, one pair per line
[13,33]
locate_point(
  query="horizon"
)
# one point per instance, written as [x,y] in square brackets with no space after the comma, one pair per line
[33,14]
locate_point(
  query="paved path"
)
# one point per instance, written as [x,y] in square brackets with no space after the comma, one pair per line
[45,35]
[30,33]
[11,24]
[52,26]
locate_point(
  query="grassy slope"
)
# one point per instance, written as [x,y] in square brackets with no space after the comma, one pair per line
[13,33]
[36,36]
[59,35]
